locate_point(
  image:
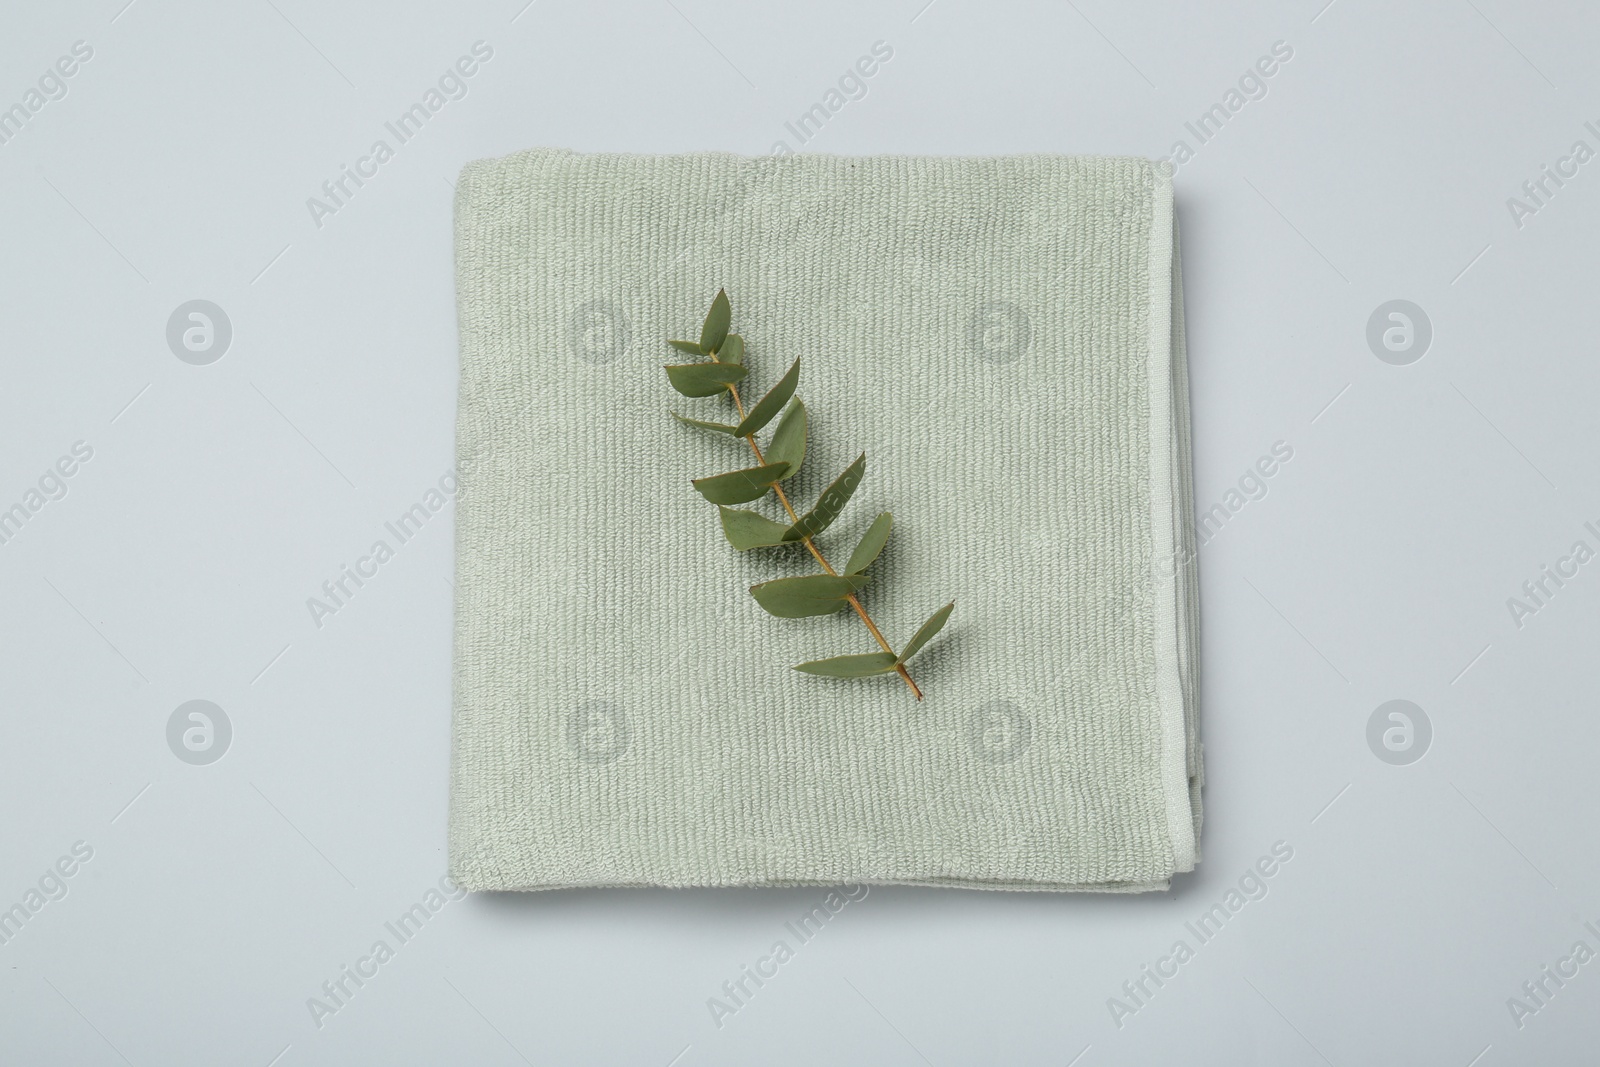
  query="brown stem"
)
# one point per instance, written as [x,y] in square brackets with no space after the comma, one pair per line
[872,627]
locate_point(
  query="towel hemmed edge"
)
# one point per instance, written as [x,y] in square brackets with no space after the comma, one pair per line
[1164,574]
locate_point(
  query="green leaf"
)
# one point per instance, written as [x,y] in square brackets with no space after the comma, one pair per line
[732,350]
[746,530]
[703,379]
[691,347]
[717,426]
[934,624]
[872,543]
[715,330]
[850,666]
[769,406]
[832,501]
[789,439]
[740,487]
[815,594]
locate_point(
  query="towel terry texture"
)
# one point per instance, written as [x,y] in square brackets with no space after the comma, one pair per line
[1003,337]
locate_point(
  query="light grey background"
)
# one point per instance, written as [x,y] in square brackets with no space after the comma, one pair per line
[220,896]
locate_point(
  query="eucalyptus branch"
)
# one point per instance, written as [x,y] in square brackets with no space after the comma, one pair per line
[815,594]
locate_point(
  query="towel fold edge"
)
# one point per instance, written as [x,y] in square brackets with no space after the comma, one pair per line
[1165,497]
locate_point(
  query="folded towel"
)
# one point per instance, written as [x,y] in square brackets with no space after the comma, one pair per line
[1003,338]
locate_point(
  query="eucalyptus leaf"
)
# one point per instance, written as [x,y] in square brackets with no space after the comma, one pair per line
[814,594]
[769,406]
[871,544]
[789,439]
[864,666]
[717,426]
[746,530]
[832,501]
[715,330]
[703,379]
[740,487]
[717,366]
[934,624]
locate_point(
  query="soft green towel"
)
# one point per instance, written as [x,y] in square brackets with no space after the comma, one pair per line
[1003,338]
